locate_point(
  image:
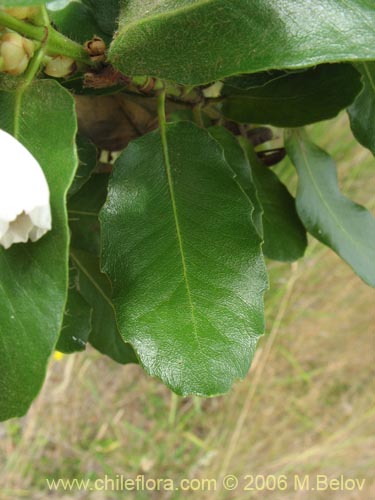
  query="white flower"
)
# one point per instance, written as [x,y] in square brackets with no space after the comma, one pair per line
[25,211]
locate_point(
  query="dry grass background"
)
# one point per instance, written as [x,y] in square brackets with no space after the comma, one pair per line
[306,406]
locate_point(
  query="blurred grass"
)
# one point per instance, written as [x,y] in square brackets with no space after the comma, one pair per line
[305,407]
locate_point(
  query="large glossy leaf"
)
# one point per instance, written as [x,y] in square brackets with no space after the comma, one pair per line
[199,41]
[362,111]
[185,260]
[348,228]
[283,233]
[76,326]
[94,286]
[239,163]
[295,99]
[34,276]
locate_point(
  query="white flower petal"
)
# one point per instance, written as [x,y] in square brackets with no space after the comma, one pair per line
[25,211]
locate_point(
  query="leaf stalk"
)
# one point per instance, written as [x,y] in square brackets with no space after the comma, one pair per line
[54,42]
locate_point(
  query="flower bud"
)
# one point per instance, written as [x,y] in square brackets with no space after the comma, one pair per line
[95,46]
[25,211]
[22,12]
[96,49]
[60,67]
[15,51]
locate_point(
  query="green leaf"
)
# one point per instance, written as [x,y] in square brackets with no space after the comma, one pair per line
[87,154]
[9,83]
[106,13]
[184,259]
[200,41]
[34,276]
[362,111]
[239,163]
[253,80]
[77,21]
[95,288]
[187,114]
[283,232]
[84,207]
[77,321]
[336,221]
[274,215]
[296,99]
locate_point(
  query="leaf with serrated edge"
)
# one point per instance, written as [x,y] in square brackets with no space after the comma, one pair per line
[34,276]
[333,219]
[184,259]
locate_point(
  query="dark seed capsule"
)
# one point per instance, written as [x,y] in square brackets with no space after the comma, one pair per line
[259,135]
[272,156]
[232,127]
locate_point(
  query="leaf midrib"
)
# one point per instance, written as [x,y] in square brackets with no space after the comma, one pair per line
[82,268]
[83,213]
[167,164]
[369,76]
[327,206]
[273,98]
